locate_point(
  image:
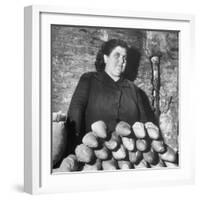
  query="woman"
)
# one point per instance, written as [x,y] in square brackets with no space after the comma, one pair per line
[106,94]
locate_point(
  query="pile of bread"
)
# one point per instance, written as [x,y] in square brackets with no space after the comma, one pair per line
[127,147]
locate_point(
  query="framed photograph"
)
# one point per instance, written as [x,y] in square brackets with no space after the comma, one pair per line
[107,102]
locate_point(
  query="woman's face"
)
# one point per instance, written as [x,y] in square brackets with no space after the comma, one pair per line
[116,62]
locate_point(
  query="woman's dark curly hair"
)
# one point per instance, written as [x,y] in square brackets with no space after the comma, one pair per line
[106,49]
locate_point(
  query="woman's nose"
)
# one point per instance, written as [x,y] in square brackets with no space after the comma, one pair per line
[121,60]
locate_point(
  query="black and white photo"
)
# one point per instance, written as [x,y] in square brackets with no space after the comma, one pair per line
[114,98]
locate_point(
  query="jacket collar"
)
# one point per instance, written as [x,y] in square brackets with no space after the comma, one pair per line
[105,78]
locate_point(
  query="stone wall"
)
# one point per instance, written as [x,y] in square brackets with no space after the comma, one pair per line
[74,51]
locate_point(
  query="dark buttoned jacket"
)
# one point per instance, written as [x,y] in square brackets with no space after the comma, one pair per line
[98,97]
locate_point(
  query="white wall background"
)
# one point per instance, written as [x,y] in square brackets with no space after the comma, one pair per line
[11,101]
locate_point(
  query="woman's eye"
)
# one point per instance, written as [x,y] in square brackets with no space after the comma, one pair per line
[117,55]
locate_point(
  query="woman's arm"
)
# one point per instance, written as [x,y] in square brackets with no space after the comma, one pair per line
[76,112]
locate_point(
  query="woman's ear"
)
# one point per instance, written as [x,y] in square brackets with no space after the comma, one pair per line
[105,57]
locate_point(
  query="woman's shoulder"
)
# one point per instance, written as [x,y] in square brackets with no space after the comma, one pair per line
[132,84]
[135,88]
[88,75]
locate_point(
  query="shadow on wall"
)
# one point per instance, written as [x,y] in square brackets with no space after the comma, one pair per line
[133,60]
[131,72]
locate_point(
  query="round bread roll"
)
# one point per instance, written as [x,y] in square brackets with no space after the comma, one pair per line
[129,143]
[99,128]
[124,164]
[90,140]
[141,144]
[138,128]
[114,141]
[170,155]
[135,156]
[70,163]
[102,153]
[152,130]
[120,153]
[142,164]
[158,146]
[123,129]
[84,153]
[151,157]
[109,164]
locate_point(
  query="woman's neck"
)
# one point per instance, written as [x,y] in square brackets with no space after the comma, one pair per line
[115,78]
